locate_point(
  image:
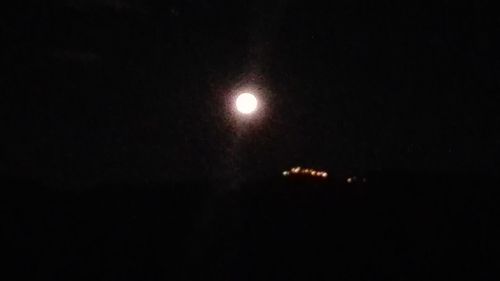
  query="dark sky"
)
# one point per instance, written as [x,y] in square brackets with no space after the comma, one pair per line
[124,90]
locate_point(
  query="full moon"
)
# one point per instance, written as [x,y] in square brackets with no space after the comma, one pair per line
[246,103]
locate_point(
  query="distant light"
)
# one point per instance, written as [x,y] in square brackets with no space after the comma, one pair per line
[313,173]
[349,180]
[286,173]
[246,103]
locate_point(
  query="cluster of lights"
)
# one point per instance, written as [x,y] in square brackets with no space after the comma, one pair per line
[356,180]
[305,171]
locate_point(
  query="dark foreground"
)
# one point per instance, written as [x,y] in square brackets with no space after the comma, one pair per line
[394,227]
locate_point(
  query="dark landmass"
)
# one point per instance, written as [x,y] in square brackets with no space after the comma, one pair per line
[393,227]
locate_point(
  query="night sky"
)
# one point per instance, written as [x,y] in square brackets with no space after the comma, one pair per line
[123,90]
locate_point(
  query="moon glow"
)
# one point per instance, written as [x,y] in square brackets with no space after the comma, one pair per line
[246,103]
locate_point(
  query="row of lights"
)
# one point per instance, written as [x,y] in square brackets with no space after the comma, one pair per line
[356,180]
[309,172]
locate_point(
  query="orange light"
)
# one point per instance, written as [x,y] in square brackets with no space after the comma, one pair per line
[298,170]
